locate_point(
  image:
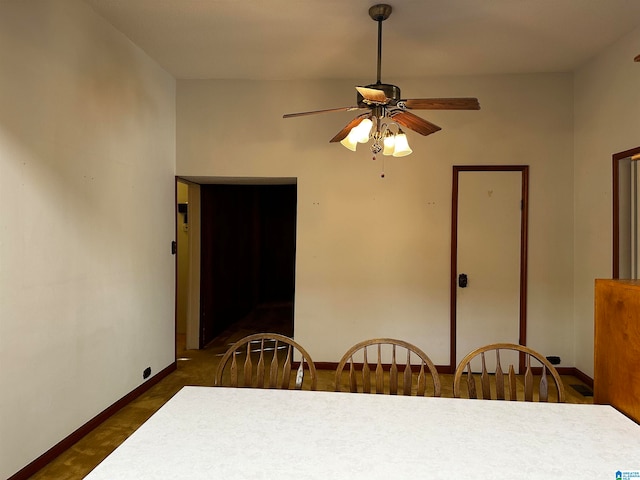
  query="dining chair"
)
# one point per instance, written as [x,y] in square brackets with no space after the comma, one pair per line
[409,377]
[267,361]
[496,386]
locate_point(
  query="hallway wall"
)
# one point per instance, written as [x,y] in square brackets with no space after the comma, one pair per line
[182,277]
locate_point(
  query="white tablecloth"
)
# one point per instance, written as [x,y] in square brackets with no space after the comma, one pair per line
[237,433]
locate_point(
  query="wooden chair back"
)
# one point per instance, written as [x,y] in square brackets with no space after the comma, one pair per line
[407,372]
[265,360]
[504,384]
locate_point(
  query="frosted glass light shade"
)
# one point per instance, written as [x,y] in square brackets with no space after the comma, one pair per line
[402,146]
[362,131]
[350,141]
[389,145]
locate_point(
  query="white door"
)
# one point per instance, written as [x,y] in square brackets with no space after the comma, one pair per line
[488,253]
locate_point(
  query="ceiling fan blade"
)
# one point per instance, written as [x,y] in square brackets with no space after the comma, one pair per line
[342,134]
[373,95]
[302,114]
[414,122]
[637,59]
[442,103]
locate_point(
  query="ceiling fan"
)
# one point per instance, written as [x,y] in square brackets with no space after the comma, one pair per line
[387,112]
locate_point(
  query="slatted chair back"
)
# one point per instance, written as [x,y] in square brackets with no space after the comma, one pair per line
[407,373]
[505,385]
[265,360]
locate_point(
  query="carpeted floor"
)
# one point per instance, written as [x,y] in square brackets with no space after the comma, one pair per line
[196,367]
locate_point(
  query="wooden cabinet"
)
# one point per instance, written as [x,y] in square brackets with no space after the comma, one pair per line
[617,345]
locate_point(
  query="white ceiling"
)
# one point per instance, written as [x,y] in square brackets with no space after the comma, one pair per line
[331,39]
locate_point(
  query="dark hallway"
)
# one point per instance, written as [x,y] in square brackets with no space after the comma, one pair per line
[247,260]
[272,318]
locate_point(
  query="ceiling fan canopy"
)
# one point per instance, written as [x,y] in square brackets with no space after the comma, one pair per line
[387,110]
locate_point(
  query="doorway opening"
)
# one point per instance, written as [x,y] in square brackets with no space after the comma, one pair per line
[241,259]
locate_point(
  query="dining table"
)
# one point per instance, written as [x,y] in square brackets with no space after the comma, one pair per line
[248,433]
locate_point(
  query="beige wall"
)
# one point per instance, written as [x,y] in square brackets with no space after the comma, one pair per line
[607,102]
[87,164]
[87,156]
[373,254]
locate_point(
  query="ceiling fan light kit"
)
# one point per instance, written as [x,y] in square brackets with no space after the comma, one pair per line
[387,111]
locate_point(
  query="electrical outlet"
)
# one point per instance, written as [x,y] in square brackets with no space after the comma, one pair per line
[553,360]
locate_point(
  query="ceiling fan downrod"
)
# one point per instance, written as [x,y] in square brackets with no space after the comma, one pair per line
[380,13]
[386,108]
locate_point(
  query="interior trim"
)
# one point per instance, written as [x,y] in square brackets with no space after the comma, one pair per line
[524,222]
[615,194]
[68,442]
[328,366]
[573,371]
[583,377]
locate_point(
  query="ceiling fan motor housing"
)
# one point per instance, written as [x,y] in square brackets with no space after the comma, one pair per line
[391,91]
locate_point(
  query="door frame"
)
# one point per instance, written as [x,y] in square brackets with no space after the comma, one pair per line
[616,158]
[194,337]
[524,224]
